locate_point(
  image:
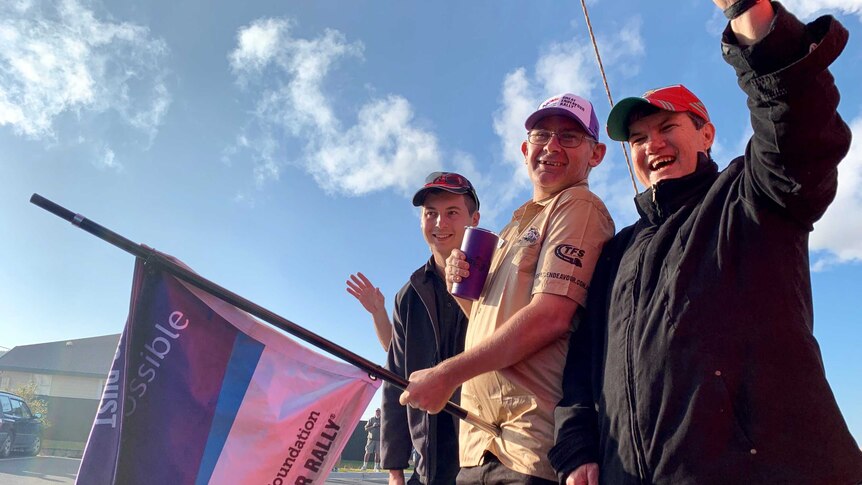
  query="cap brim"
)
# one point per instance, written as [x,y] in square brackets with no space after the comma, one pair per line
[419,198]
[553,111]
[618,119]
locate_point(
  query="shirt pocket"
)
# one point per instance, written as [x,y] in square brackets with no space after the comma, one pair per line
[525,257]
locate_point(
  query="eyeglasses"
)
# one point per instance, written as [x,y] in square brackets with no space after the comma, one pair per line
[567,139]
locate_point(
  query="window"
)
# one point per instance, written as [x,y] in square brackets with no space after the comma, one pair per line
[20,409]
[43,384]
[6,404]
[16,408]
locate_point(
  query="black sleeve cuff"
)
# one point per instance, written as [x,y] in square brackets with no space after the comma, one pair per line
[783,59]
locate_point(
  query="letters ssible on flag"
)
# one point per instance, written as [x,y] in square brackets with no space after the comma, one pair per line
[200,392]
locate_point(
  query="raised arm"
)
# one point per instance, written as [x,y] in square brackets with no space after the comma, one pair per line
[799,137]
[373,301]
[753,24]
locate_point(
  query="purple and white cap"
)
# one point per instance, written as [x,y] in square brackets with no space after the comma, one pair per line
[569,105]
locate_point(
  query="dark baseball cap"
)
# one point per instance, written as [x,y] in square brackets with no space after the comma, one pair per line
[448,181]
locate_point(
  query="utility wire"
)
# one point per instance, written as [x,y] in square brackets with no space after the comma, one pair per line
[607,90]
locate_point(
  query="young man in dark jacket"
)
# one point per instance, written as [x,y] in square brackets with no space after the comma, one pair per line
[703,366]
[428,327]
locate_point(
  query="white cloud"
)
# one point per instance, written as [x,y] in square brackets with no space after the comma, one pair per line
[518,101]
[107,160]
[258,44]
[619,50]
[806,9]
[838,235]
[57,57]
[384,149]
[568,67]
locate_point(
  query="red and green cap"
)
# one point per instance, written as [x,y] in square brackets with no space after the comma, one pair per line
[671,98]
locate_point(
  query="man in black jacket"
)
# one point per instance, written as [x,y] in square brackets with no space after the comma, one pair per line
[428,327]
[697,361]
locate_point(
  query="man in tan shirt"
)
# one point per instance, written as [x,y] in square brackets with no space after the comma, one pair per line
[517,338]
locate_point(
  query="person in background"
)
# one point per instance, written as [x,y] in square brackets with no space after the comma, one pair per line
[372,445]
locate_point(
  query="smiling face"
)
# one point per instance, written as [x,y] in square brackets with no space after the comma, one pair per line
[444,219]
[665,145]
[553,167]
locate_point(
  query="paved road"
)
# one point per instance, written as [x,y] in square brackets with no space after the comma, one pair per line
[42,470]
[33,470]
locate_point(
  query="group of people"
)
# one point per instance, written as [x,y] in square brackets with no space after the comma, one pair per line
[677,350]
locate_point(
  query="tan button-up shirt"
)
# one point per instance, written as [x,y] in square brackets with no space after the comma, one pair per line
[549,246]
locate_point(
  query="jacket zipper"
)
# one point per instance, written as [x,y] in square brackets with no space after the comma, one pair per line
[430,464]
[655,201]
[630,384]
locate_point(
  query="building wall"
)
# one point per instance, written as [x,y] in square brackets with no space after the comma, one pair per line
[72,402]
[70,418]
[354,450]
[76,387]
[13,380]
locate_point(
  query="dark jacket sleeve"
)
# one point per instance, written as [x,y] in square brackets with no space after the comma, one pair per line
[395,442]
[575,418]
[576,433]
[799,137]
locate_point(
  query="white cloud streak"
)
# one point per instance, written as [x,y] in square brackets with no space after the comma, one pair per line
[384,149]
[107,160]
[57,57]
[838,235]
[807,9]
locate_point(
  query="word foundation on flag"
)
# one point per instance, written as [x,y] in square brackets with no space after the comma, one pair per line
[201,392]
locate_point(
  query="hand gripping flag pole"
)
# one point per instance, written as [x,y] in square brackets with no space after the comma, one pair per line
[252,308]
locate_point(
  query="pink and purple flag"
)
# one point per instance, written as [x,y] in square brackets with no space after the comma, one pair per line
[201,392]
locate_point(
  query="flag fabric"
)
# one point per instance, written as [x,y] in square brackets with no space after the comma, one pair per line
[201,392]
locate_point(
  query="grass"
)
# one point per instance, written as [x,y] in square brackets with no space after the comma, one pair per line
[354,466]
[63,445]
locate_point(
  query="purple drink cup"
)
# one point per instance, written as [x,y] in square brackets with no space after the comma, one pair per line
[478,246]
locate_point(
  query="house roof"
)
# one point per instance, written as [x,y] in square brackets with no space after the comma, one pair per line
[91,357]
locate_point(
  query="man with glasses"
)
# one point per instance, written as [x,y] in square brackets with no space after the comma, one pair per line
[518,333]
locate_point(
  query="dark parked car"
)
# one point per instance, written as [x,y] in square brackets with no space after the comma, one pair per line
[19,428]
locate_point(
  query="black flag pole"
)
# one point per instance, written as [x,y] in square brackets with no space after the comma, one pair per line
[151,255]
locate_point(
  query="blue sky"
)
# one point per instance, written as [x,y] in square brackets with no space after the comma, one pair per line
[274,146]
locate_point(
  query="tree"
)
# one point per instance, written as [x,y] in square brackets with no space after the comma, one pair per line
[37,405]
